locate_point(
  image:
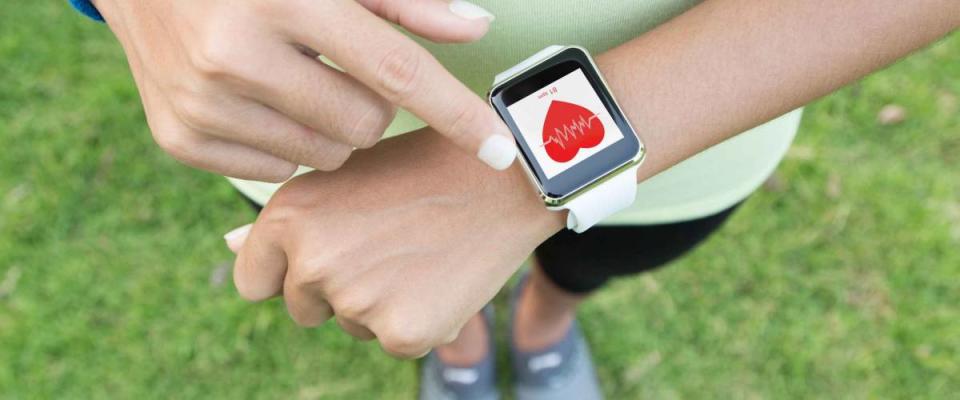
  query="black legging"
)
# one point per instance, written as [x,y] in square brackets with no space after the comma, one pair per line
[582,263]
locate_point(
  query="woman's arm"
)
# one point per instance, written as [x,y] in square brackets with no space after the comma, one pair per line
[726,66]
[412,237]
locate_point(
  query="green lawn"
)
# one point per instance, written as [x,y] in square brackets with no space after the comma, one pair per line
[841,279]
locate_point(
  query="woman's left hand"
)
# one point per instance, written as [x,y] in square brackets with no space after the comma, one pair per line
[403,244]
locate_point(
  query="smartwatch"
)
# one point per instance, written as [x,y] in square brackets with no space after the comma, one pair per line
[577,147]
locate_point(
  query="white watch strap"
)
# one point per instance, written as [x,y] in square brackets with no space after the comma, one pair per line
[530,61]
[601,201]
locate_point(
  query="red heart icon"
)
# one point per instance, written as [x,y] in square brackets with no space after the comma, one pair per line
[568,128]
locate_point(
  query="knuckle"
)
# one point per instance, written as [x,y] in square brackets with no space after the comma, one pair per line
[279,173]
[450,337]
[354,306]
[307,282]
[334,158]
[215,57]
[464,119]
[404,339]
[354,328]
[367,130]
[392,10]
[176,143]
[309,273]
[398,72]
[194,112]
[402,347]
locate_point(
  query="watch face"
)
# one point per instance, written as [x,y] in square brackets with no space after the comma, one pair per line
[568,127]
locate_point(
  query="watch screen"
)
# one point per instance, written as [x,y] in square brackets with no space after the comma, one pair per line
[564,123]
[569,129]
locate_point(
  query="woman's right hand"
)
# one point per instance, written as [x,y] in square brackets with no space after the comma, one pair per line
[235,87]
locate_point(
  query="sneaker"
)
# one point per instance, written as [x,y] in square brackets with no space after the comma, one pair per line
[562,371]
[439,381]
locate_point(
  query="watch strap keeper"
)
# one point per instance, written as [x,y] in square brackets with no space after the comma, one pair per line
[602,201]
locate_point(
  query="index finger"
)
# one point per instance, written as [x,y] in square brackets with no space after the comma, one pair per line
[407,75]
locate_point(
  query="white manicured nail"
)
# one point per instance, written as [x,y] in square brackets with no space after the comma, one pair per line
[498,151]
[468,10]
[236,237]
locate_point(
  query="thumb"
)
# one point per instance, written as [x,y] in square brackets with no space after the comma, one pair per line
[236,237]
[443,21]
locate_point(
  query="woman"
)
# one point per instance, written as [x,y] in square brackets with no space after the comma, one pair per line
[412,237]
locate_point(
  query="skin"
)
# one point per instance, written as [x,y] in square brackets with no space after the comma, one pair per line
[425,232]
[410,239]
[235,87]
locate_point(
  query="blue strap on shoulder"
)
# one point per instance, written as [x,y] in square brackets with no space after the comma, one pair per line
[87,8]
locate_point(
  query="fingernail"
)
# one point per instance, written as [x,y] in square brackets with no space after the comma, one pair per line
[498,151]
[236,237]
[468,10]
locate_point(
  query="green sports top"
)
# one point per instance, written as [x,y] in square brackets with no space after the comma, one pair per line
[711,181]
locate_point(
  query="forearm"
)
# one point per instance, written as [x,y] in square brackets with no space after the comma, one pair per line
[717,70]
[728,65]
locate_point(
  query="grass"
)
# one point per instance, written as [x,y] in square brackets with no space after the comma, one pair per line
[841,279]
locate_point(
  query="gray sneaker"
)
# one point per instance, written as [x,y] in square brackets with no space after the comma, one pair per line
[562,371]
[439,381]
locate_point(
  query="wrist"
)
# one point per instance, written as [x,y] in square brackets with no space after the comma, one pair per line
[513,197]
[530,208]
[502,197]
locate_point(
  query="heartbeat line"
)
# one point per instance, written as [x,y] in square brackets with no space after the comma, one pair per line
[576,127]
